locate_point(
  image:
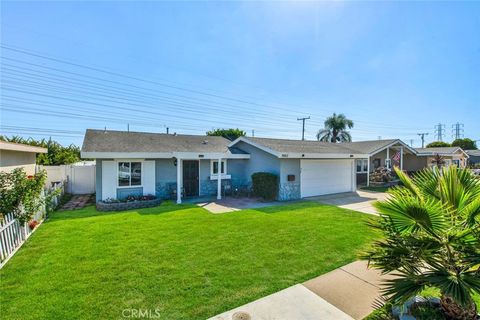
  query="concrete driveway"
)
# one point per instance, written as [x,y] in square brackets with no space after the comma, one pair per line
[361,200]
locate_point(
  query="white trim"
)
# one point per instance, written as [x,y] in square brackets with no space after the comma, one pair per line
[393,144]
[259,146]
[179,180]
[162,155]
[368,172]
[224,176]
[212,161]
[219,179]
[362,171]
[117,161]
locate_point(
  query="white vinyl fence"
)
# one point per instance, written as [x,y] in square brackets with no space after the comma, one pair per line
[13,235]
[78,179]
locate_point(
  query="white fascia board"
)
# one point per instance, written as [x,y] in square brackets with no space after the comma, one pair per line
[126,155]
[200,155]
[449,154]
[259,146]
[324,156]
[392,144]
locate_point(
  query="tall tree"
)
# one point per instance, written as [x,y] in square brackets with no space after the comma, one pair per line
[438,144]
[336,129]
[465,144]
[230,134]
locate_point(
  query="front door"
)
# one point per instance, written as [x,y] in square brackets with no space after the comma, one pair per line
[190,178]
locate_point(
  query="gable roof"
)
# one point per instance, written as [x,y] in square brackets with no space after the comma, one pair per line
[445,151]
[103,142]
[473,153]
[11,146]
[296,148]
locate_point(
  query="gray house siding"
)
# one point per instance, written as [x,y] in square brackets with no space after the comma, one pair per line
[165,178]
[235,168]
[260,161]
[414,163]
[289,190]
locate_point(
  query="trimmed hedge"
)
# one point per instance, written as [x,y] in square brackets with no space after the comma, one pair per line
[265,185]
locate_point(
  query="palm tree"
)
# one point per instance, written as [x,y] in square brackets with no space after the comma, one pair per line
[431,238]
[438,160]
[335,129]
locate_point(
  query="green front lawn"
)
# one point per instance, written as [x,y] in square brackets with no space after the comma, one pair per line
[181,259]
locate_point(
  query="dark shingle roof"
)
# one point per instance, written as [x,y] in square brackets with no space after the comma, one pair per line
[123,141]
[473,153]
[439,150]
[309,146]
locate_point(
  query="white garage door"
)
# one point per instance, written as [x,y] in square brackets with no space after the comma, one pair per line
[318,177]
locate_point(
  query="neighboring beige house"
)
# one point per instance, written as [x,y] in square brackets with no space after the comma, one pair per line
[16,155]
[451,155]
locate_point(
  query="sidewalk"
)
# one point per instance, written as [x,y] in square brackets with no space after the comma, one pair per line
[349,292]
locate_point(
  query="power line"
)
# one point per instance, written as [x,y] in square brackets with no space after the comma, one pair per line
[24,51]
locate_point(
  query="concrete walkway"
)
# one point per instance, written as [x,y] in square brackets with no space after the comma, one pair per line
[294,303]
[353,288]
[236,204]
[361,200]
[349,292]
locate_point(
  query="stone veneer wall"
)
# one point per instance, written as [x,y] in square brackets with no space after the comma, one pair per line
[163,189]
[289,191]
[121,206]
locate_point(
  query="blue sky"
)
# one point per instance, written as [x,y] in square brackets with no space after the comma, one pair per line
[395,68]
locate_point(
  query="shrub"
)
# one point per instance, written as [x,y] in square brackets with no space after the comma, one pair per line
[265,185]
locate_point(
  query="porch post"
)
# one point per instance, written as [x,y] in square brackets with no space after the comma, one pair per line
[401,158]
[388,158]
[368,171]
[179,180]
[219,181]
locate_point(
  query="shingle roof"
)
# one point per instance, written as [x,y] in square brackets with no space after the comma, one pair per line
[123,141]
[439,150]
[473,153]
[11,146]
[309,146]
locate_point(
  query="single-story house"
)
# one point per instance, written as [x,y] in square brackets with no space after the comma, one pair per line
[474,157]
[16,155]
[452,155]
[134,163]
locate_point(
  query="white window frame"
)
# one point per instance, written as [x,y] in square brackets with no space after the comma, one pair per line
[224,175]
[212,161]
[364,163]
[388,163]
[130,182]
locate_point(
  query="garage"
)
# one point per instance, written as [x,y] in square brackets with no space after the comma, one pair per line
[319,177]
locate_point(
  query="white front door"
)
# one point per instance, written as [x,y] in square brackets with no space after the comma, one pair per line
[319,177]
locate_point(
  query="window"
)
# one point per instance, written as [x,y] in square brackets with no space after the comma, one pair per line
[388,163]
[214,167]
[362,165]
[129,174]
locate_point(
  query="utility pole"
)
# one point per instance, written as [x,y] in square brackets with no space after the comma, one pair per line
[411,143]
[422,136]
[303,126]
[253,132]
[457,130]
[168,129]
[128,127]
[439,131]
